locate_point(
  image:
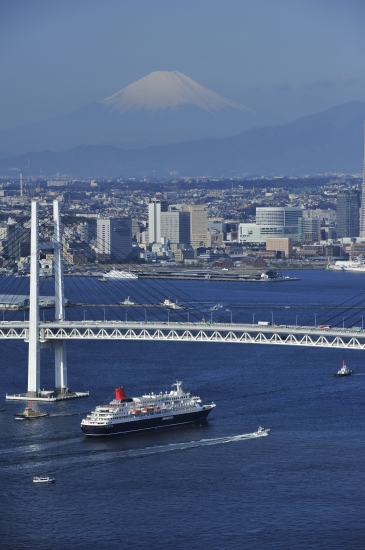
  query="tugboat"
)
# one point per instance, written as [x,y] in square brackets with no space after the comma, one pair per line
[43,479]
[148,412]
[344,371]
[261,432]
[30,414]
[127,302]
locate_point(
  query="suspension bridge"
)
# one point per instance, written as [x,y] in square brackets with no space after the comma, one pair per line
[55,334]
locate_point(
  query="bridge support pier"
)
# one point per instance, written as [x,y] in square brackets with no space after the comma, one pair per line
[60,359]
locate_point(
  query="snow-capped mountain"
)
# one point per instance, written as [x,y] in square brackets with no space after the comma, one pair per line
[163,107]
[170,90]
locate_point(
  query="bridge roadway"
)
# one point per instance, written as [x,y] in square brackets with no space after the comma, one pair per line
[345,338]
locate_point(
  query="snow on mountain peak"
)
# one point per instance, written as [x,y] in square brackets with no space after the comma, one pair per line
[163,90]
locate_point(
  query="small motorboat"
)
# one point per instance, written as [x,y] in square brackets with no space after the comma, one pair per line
[30,414]
[262,432]
[344,371]
[102,279]
[43,479]
[2,409]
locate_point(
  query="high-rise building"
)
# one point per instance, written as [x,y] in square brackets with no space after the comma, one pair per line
[155,208]
[87,231]
[15,241]
[362,211]
[198,224]
[175,226]
[348,213]
[114,238]
[310,229]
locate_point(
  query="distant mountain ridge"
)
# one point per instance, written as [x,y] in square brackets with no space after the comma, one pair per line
[330,141]
[163,107]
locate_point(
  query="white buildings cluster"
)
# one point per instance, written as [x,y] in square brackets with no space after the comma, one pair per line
[176,227]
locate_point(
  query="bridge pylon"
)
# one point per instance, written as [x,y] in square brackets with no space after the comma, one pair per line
[60,349]
[61,391]
[34,368]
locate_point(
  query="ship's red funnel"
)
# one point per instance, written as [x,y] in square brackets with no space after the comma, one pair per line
[120,393]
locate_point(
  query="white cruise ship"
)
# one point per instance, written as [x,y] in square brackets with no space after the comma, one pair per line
[148,412]
[115,274]
[348,265]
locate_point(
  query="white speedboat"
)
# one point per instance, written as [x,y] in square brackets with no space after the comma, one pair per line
[43,479]
[344,371]
[261,432]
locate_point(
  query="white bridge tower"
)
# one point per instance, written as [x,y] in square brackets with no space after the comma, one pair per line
[60,347]
[60,391]
[34,370]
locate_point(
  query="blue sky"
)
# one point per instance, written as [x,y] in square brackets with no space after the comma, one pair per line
[292,57]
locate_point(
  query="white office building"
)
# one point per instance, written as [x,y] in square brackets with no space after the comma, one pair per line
[155,207]
[272,222]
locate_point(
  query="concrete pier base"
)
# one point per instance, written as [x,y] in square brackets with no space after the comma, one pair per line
[47,396]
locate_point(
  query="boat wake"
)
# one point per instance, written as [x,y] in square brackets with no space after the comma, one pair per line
[106,456]
[37,447]
[73,413]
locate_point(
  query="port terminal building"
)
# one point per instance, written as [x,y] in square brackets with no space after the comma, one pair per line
[18,301]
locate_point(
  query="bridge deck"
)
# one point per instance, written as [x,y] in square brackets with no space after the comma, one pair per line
[189,332]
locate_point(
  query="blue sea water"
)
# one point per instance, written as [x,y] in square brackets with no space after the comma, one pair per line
[198,487]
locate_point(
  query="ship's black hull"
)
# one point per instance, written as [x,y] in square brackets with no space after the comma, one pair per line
[146,424]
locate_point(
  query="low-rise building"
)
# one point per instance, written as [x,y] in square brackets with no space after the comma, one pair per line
[253,261]
[357,249]
[184,254]
[283,245]
[224,263]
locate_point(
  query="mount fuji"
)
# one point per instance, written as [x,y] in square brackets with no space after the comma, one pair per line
[161,108]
